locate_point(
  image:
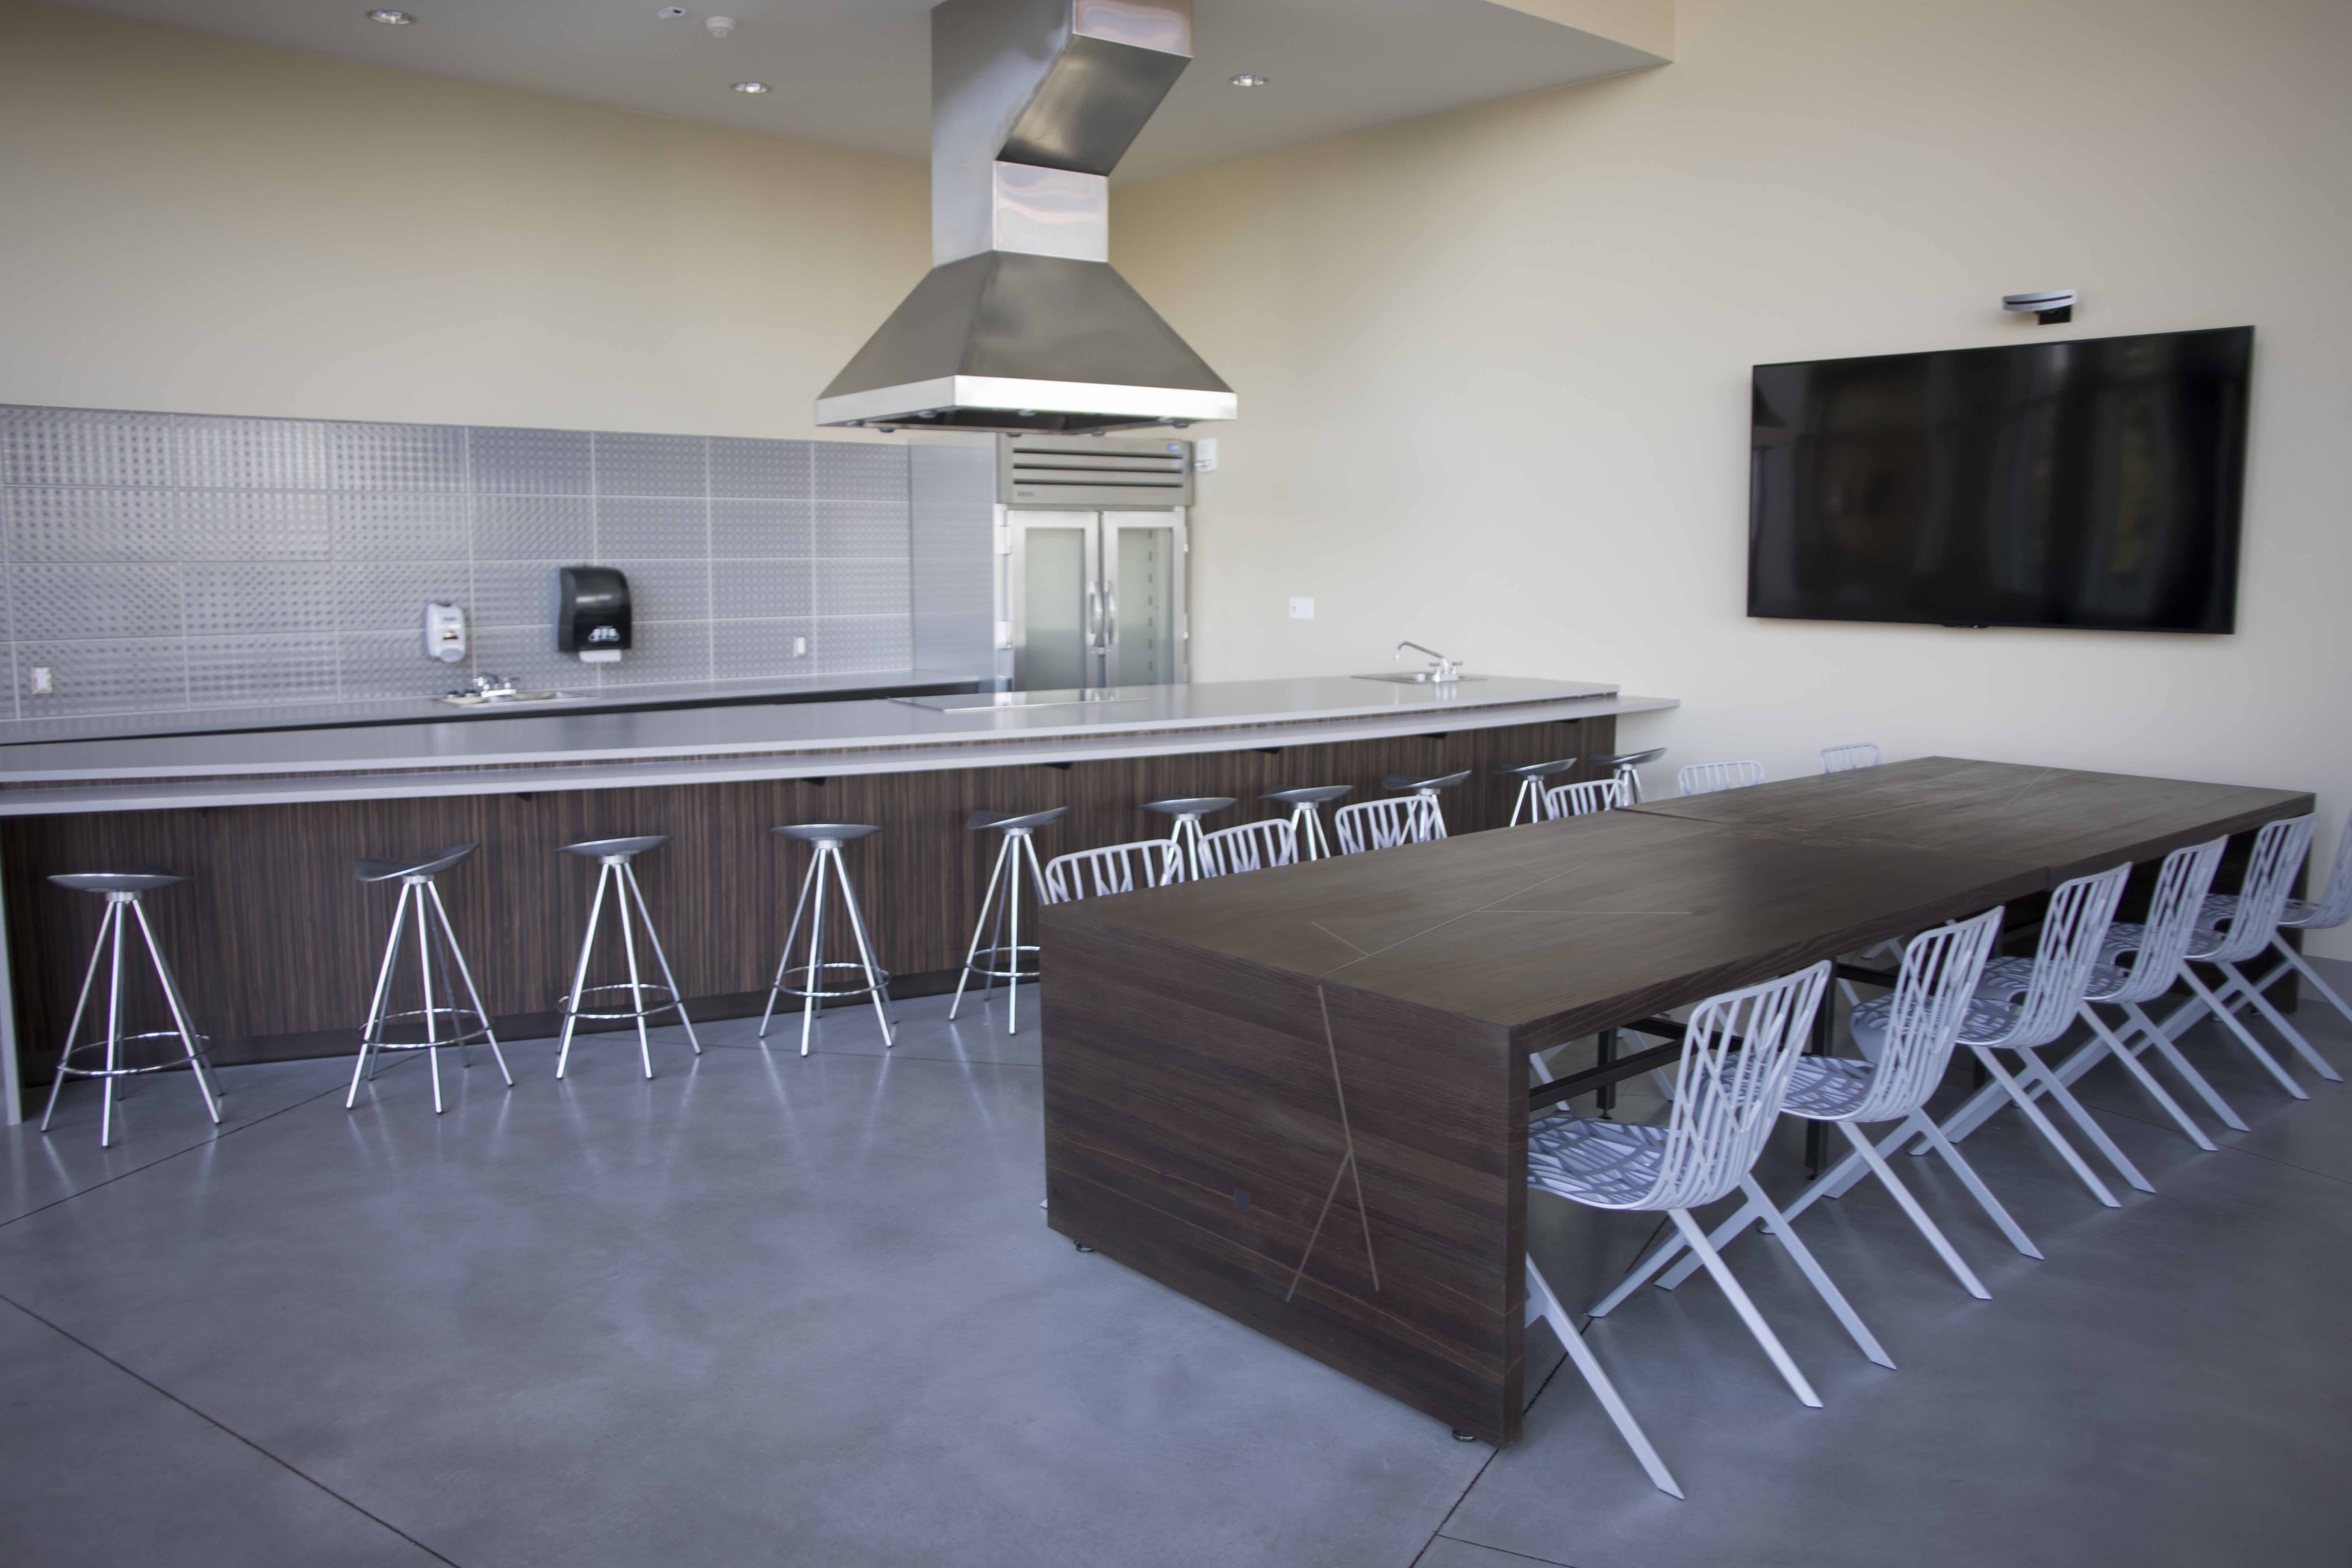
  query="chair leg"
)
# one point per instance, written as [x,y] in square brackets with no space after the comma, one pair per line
[1934,1136]
[1543,1303]
[432,1024]
[2038,1071]
[1823,1286]
[1013,962]
[81,1006]
[987,906]
[661,959]
[2131,1064]
[2161,1043]
[449,935]
[113,1032]
[2238,1031]
[816,957]
[373,1029]
[785,960]
[1918,1215]
[1666,1251]
[1696,1239]
[2303,967]
[179,1014]
[637,980]
[865,949]
[2277,1020]
[2041,1124]
[579,973]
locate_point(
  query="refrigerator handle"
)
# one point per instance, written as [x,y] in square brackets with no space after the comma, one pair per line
[1110,618]
[1094,615]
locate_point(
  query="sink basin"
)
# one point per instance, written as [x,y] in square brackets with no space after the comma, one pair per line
[506,698]
[1415,678]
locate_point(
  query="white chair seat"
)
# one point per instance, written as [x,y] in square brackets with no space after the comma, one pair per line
[1828,1088]
[2222,908]
[1605,1164]
[2006,980]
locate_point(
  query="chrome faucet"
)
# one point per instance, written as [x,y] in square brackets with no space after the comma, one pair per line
[491,686]
[1442,668]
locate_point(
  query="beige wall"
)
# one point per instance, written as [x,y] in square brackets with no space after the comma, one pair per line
[200,225]
[1493,366]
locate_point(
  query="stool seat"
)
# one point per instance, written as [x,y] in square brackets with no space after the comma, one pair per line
[1193,806]
[1537,770]
[132,882]
[1628,759]
[597,848]
[385,870]
[1012,821]
[1443,781]
[1313,794]
[825,832]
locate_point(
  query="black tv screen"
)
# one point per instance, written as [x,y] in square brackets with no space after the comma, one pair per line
[2089,482]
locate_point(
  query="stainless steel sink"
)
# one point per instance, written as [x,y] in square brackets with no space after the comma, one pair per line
[1414,677]
[506,699]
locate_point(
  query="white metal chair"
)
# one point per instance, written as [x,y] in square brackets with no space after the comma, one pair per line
[1116,868]
[1385,824]
[2156,949]
[1531,776]
[1586,799]
[2023,1005]
[1251,847]
[2246,915]
[1738,1052]
[1426,789]
[1846,759]
[1906,1040]
[1306,819]
[1707,778]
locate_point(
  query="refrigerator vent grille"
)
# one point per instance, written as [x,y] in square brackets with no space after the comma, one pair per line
[1094,473]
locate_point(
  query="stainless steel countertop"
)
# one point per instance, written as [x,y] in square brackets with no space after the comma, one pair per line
[700,744]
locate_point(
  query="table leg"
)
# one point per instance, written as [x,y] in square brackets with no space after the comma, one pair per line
[12,1087]
[1605,1042]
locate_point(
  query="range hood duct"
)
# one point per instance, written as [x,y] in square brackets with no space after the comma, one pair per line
[1021,324]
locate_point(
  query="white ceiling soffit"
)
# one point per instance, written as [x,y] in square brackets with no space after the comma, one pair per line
[856,73]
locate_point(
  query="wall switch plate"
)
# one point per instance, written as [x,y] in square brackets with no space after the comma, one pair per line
[42,684]
[1302,609]
[1204,455]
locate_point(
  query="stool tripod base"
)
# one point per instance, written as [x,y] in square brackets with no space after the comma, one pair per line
[826,873]
[614,871]
[109,950]
[421,910]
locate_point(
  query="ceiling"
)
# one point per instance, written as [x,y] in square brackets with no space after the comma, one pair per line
[856,73]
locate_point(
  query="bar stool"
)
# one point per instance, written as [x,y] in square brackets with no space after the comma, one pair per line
[123,890]
[1017,854]
[419,889]
[1427,790]
[828,838]
[612,857]
[1531,786]
[1626,765]
[1305,819]
[1185,832]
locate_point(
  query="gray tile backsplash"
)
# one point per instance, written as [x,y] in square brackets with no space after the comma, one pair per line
[158,562]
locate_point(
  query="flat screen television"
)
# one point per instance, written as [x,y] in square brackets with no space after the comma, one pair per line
[2092,482]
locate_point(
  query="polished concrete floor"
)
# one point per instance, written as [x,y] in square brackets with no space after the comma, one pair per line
[775,1310]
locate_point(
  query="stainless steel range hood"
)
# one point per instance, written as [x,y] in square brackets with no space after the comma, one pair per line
[1021,324]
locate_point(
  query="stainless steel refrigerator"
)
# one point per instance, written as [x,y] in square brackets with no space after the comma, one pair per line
[1091,540]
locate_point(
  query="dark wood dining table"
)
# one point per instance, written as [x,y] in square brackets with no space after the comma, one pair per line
[1300,1096]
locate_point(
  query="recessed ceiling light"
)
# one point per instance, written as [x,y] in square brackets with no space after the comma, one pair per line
[391,18]
[750,87]
[1251,78]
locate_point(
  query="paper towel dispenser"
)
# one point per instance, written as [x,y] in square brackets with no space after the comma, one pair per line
[592,613]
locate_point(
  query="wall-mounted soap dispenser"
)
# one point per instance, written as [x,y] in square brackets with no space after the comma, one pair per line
[444,633]
[592,613]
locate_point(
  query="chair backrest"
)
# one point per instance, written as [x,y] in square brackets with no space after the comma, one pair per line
[1118,868]
[1251,847]
[1584,799]
[2077,920]
[1706,778]
[1845,759]
[2172,923]
[1385,824]
[1940,972]
[2335,900]
[2270,870]
[1738,1051]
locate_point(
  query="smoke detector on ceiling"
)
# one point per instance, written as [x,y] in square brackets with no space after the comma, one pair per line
[719,26]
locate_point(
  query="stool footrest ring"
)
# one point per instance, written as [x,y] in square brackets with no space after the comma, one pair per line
[979,961]
[671,1002]
[452,1016]
[881,980]
[65,1063]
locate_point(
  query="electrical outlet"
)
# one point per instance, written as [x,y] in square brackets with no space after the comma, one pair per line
[42,684]
[1302,609]
[800,648]
[1204,455]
